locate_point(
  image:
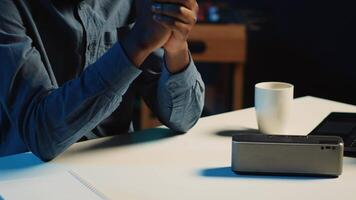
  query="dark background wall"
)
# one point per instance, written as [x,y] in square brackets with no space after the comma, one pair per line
[308,43]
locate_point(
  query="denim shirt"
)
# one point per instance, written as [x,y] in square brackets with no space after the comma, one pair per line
[64,75]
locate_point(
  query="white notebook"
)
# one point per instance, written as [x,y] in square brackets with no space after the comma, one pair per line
[59,186]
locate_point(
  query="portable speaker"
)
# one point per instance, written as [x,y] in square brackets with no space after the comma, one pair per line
[287,155]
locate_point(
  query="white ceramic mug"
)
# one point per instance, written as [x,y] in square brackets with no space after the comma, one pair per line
[273,104]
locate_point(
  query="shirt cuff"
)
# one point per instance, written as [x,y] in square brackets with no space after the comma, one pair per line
[180,82]
[115,68]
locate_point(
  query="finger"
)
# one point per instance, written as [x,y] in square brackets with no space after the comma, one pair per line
[190,4]
[176,11]
[173,24]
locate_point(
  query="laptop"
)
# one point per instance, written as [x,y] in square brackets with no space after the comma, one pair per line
[340,124]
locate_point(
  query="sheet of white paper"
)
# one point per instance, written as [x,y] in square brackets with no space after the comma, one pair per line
[59,186]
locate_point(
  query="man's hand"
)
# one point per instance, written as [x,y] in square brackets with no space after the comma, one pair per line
[163,23]
[179,16]
[146,36]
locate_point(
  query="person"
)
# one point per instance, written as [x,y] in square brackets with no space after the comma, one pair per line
[70,70]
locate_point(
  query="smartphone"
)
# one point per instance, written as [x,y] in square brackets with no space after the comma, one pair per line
[340,124]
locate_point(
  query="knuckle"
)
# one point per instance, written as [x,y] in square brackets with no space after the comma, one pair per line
[180,10]
[192,4]
[196,8]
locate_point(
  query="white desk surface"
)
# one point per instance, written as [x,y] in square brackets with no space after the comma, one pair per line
[195,165]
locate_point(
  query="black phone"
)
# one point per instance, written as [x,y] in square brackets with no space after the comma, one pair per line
[340,124]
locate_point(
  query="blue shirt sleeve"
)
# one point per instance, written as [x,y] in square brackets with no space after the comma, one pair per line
[176,99]
[50,118]
[181,98]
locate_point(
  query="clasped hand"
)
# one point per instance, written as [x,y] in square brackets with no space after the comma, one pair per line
[179,16]
[163,23]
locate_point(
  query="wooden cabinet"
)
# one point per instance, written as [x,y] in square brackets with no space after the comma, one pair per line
[225,44]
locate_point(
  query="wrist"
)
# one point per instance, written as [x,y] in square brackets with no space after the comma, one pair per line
[177,49]
[177,59]
[136,50]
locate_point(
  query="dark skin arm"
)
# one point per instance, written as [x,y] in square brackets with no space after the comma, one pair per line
[163,23]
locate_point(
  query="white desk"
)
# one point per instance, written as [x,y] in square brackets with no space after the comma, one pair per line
[191,166]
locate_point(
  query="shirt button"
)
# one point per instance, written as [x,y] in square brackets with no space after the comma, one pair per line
[173,86]
[91,47]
